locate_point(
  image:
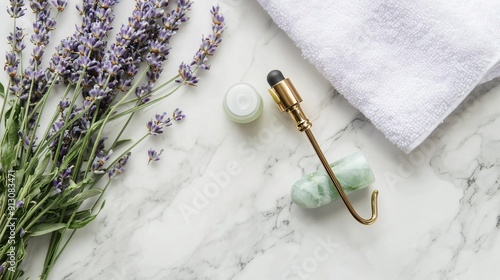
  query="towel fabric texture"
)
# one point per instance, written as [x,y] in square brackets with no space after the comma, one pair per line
[405,65]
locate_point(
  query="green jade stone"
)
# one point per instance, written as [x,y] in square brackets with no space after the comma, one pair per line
[316,189]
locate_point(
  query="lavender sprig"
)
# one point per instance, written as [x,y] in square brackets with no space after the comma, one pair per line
[15,10]
[155,126]
[158,48]
[38,80]
[85,49]
[63,168]
[207,48]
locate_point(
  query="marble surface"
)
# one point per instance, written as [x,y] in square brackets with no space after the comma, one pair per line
[217,206]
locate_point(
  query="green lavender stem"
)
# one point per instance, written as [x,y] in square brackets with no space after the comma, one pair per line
[55,252]
[103,123]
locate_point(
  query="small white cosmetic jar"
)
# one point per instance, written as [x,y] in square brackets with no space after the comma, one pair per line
[242,103]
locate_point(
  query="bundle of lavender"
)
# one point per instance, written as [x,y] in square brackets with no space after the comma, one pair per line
[50,174]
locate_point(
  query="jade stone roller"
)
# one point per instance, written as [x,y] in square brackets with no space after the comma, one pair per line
[316,189]
[288,100]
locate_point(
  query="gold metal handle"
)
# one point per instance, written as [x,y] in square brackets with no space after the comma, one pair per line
[337,185]
[288,99]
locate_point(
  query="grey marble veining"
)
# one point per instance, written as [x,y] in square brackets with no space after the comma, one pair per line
[218,206]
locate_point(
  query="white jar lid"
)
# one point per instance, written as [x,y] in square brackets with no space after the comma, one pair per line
[242,103]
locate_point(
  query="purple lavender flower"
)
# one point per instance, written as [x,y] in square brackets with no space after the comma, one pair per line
[154,155]
[16,8]
[124,159]
[79,128]
[32,122]
[3,267]
[19,204]
[178,115]
[63,105]
[91,41]
[115,171]
[26,139]
[56,126]
[59,4]
[110,68]
[67,137]
[96,93]
[85,63]
[119,167]
[155,126]
[158,48]
[99,161]
[100,143]
[15,39]
[61,182]
[143,91]
[67,172]
[11,64]
[21,233]
[186,75]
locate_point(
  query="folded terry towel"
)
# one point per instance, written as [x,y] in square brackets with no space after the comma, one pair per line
[405,65]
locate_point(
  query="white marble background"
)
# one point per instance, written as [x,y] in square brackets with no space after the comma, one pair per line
[439,205]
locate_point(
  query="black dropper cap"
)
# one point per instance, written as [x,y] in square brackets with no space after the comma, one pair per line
[274,77]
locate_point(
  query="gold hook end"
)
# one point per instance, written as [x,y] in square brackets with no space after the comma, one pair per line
[374,216]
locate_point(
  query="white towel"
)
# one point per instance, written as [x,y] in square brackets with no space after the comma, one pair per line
[405,65]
